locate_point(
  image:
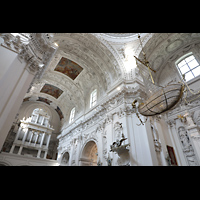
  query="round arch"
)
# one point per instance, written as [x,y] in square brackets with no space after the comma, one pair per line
[89,153]
[28,107]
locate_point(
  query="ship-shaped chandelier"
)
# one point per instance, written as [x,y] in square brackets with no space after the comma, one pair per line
[160,99]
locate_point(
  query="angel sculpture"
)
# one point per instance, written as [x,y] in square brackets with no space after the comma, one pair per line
[122,151]
[118,143]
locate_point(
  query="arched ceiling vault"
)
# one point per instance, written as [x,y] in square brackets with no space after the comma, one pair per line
[163,49]
[98,68]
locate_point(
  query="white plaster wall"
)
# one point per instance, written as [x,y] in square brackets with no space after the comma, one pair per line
[6,57]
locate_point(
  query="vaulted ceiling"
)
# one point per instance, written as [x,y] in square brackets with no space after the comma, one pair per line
[163,49]
[82,63]
[87,61]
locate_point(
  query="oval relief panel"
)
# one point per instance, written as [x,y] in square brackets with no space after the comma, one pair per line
[174,45]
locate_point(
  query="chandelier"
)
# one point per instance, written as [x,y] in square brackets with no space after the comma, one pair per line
[159,99]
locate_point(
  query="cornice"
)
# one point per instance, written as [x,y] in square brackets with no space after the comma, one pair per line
[104,109]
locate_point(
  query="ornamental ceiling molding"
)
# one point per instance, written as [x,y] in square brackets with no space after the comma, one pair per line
[163,48]
[117,56]
[90,49]
[97,64]
[79,82]
[66,96]
[75,91]
[117,42]
[91,73]
[120,37]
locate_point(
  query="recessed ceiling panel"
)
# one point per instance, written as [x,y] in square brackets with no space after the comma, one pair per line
[51,90]
[69,68]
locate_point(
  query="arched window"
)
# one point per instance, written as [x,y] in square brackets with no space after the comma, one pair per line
[93,98]
[188,66]
[72,114]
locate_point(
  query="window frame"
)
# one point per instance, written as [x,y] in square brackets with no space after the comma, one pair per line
[188,65]
[72,114]
[92,97]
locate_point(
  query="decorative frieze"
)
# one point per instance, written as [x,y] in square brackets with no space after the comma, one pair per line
[36,51]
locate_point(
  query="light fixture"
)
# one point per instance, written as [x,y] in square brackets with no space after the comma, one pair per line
[159,98]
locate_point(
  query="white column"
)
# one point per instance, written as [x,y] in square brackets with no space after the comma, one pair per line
[48,140]
[109,129]
[31,137]
[36,119]
[38,154]
[45,154]
[20,150]
[24,137]
[160,127]
[128,127]
[13,87]
[36,138]
[71,152]
[12,148]
[41,142]
[42,120]
[18,132]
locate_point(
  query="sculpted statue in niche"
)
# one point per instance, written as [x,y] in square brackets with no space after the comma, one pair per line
[120,149]
[187,147]
[118,130]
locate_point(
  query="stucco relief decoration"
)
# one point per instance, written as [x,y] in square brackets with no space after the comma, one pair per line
[51,90]
[69,68]
[196,117]
[187,147]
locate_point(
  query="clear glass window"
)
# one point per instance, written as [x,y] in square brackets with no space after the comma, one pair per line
[189,67]
[72,114]
[93,98]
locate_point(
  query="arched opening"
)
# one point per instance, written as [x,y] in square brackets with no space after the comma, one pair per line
[89,154]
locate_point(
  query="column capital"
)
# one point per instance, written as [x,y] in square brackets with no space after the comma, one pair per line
[36,50]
